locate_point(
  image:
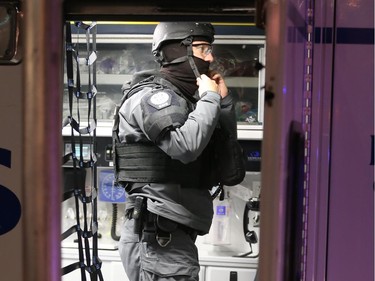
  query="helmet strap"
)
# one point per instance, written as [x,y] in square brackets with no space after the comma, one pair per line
[189,57]
[188,43]
[192,63]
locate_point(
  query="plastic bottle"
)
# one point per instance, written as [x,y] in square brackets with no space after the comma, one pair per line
[220,229]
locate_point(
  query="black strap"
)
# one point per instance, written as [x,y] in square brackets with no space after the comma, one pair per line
[188,43]
[189,57]
[87,229]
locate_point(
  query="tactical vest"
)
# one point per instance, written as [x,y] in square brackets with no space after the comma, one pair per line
[147,163]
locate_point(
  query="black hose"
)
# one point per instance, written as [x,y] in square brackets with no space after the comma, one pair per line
[114,223]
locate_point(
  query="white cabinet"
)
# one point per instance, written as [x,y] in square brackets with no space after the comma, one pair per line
[202,273]
[213,268]
[213,273]
[227,268]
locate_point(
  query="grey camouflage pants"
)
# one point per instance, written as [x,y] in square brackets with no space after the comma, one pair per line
[144,261]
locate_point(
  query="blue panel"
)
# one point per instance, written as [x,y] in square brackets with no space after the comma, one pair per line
[355,36]
[344,35]
[10,210]
[317,35]
[5,157]
[327,35]
[108,192]
[221,210]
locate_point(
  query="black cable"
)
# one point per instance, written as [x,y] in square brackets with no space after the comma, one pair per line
[114,222]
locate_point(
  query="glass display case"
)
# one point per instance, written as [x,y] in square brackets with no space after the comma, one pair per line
[121,50]
[119,56]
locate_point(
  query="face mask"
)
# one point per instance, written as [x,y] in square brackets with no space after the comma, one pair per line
[202,65]
[181,74]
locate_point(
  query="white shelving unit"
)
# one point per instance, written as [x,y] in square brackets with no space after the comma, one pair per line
[120,56]
[213,268]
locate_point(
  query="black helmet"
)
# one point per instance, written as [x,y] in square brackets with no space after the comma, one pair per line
[167,31]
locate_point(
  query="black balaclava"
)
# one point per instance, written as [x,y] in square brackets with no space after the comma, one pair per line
[181,74]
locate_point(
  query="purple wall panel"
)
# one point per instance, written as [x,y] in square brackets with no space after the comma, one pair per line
[320,146]
[351,214]
[351,207]
[355,13]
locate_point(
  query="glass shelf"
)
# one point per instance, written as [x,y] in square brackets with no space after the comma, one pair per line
[120,56]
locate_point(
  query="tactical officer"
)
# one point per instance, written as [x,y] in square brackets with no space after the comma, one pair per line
[163,137]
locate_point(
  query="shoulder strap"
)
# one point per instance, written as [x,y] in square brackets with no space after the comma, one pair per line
[128,90]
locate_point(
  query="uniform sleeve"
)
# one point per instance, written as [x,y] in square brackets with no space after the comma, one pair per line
[187,142]
[131,120]
[184,143]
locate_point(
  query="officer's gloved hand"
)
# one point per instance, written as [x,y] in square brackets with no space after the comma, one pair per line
[206,84]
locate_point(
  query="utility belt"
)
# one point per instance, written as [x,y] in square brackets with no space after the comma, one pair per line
[151,227]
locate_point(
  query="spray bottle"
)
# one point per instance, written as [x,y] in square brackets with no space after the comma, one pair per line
[220,229]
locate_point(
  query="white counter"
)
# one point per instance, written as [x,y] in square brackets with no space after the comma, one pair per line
[212,266]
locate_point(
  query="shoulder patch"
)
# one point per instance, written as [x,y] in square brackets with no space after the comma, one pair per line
[160,99]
